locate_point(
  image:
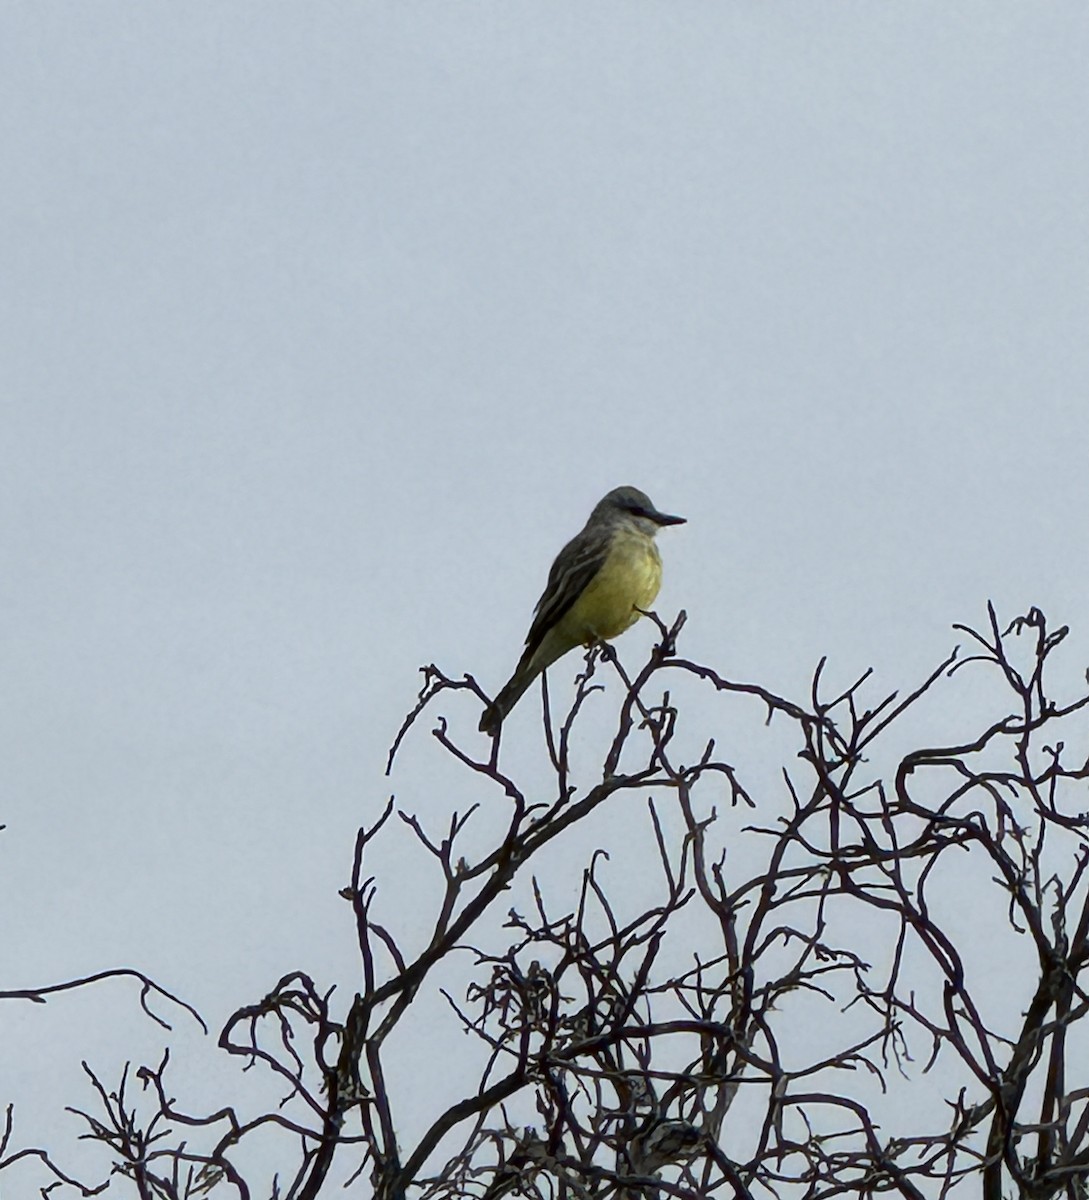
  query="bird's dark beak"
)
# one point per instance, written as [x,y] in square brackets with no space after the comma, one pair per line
[660,518]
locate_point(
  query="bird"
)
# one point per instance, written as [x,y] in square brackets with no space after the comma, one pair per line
[666,1143]
[600,584]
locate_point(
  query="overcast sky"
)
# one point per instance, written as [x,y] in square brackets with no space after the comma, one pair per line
[324,326]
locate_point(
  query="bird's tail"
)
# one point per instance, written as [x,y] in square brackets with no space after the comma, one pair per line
[508,697]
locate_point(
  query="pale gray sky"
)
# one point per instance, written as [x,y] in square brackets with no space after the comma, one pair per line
[324,326]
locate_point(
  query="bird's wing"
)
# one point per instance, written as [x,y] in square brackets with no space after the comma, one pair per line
[576,564]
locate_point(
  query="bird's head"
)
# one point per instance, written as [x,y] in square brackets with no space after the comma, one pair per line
[631,502]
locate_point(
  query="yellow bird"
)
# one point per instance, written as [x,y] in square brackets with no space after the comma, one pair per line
[599,585]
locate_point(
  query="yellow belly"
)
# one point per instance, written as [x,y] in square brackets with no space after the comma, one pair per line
[628,581]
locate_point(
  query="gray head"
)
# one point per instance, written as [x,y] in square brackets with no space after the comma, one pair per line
[627,503]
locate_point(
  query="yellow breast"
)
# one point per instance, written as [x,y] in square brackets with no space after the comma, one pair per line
[628,581]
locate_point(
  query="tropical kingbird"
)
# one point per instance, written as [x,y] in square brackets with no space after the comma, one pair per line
[599,585]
